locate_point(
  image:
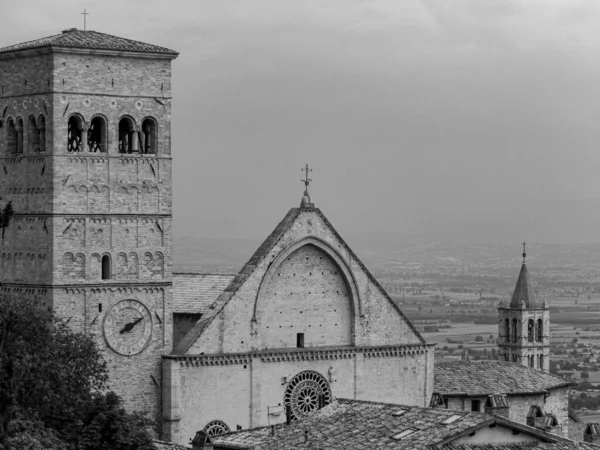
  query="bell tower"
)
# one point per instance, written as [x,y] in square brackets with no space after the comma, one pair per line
[85,149]
[524,326]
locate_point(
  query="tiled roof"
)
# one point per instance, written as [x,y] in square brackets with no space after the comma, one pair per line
[523,293]
[566,445]
[194,293]
[355,424]
[161,445]
[479,378]
[89,40]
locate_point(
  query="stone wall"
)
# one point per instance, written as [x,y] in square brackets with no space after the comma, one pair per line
[248,390]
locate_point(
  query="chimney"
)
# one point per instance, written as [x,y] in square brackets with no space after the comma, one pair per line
[496,404]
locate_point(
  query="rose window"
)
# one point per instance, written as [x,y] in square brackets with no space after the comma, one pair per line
[303,393]
[215,428]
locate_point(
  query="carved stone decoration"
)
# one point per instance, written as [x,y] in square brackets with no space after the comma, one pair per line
[306,393]
[216,428]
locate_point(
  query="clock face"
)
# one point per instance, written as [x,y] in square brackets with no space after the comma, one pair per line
[128,327]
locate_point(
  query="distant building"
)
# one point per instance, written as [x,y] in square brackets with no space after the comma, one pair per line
[524,326]
[519,393]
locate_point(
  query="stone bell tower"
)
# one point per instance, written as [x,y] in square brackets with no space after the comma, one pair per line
[85,149]
[524,326]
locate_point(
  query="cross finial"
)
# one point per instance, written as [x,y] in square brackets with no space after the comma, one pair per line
[85,14]
[524,253]
[306,180]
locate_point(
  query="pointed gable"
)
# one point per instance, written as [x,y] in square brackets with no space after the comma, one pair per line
[523,295]
[303,279]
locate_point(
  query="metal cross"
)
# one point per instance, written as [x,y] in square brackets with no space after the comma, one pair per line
[85,14]
[524,254]
[306,180]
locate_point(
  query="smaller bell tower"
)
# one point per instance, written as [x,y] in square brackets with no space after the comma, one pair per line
[524,325]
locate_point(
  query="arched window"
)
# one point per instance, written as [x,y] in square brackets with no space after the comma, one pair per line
[513,331]
[148,136]
[540,330]
[75,134]
[530,330]
[128,136]
[11,136]
[41,128]
[514,357]
[97,135]
[106,267]
[506,336]
[541,362]
[33,135]
[531,360]
[19,129]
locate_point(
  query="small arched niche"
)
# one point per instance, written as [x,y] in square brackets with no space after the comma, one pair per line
[97,135]
[149,136]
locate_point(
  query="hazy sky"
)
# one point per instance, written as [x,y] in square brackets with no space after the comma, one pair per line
[470,120]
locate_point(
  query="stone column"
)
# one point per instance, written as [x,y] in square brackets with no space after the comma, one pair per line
[84,138]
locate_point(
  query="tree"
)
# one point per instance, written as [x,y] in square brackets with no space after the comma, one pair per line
[478,339]
[574,340]
[53,386]
[585,375]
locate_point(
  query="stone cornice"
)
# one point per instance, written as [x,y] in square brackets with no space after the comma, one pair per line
[287,355]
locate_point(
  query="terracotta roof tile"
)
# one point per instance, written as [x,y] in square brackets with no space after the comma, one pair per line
[89,40]
[567,445]
[479,378]
[194,293]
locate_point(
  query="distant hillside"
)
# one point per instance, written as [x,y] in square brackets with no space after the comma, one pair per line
[384,251]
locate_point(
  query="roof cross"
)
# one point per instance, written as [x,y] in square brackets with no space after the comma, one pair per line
[85,14]
[524,253]
[306,180]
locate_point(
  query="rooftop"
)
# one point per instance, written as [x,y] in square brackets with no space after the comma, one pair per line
[89,40]
[523,295]
[478,378]
[361,424]
[572,445]
[195,293]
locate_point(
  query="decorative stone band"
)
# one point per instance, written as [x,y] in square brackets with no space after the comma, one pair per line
[393,351]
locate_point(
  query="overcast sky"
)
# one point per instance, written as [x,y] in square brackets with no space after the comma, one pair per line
[468,120]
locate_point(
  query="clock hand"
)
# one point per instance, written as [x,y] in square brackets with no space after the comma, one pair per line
[130,325]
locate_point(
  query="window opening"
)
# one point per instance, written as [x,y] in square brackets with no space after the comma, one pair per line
[148,136]
[19,130]
[530,330]
[514,331]
[300,340]
[11,136]
[106,267]
[475,405]
[74,134]
[99,307]
[128,136]
[96,135]
[33,135]
[540,331]
[41,128]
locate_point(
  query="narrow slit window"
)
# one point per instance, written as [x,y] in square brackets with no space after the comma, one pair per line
[300,340]
[106,267]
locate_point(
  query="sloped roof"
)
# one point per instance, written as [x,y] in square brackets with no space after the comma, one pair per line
[479,378]
[523,293]
[263,250]
[89,40]
[357,424]
[162,445]
[195,293]
[566,445]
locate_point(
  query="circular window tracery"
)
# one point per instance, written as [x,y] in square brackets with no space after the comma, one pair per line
[303,392]
[216,428]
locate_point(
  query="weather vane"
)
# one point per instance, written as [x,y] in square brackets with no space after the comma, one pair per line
[524,253]
[85,14]
[306,180]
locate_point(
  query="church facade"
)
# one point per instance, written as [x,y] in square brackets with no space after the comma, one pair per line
[86,163]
